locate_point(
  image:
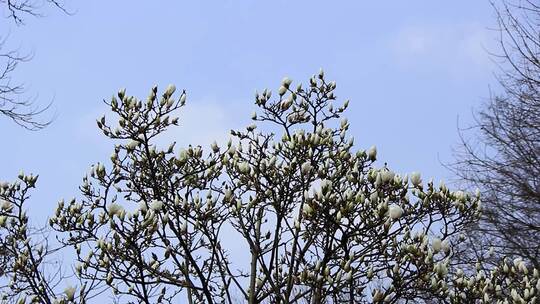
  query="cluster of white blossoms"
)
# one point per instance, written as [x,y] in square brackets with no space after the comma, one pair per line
[322,223]
[437,245]
[339,193]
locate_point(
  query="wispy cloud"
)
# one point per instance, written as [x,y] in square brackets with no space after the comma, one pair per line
[444,45]
[201,123]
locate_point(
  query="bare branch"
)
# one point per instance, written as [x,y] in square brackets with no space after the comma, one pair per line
[17,9]
[503,158]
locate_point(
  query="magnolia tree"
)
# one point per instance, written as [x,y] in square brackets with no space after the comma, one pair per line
[319,220]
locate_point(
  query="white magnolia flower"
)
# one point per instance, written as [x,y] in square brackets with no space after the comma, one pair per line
[338,216]
[182,155]
[170,90]
[515,295]
[395,211]
[306,167]
[244,167]
[156,205]
[70,293]
[372,153]
[215,147]
[286,82]
[387,176]
[369,273]
[520,264]
[441,269]
[416,180]
[228,194]
[436,244]
[114,209]
[326,185]
[183,98]
[282,90]
[344,123]
[285,104]
[377,296]
[307,209]
[332,84]
[6,205]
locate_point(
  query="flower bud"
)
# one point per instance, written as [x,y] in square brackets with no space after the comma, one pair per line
[321,73]
[307,209]
[282,90]
[6,206]
[286,82]
[122,93]
[156,205]
[344,123]
[215,147]
[183,228]
[70,293]
[395,211]
[183,98]
[286,104]
[416,180]
[170,90]
[114,209]
[244,167]
[436,244]
[132,145]
[378,296]
[387,176]
[515,295]
[372,153]
[306,167]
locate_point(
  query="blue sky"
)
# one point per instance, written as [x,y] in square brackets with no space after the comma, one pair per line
[410,68]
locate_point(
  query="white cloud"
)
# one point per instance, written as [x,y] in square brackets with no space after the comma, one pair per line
[200,123]
[411,41]
[445,45]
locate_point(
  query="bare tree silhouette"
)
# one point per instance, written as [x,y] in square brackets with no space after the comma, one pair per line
[502,159]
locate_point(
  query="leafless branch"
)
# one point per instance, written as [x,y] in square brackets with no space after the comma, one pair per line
[502,158]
